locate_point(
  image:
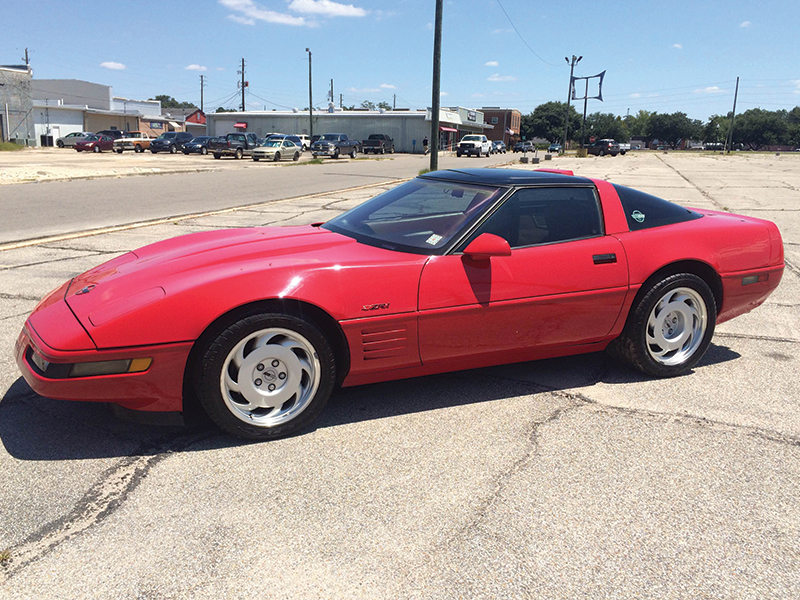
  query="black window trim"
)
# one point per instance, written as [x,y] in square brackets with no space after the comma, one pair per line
[456,249]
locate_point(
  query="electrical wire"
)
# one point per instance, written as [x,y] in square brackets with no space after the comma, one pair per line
[522,38]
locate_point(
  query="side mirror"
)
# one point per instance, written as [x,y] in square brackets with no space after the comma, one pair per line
[487,245]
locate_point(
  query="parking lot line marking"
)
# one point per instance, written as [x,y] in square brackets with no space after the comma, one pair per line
[140,224]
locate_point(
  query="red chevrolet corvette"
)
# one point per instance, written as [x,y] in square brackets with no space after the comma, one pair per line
[452,270]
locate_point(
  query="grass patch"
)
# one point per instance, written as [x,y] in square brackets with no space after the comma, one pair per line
[10,147]
[315,161]
[423,171]
[5,556]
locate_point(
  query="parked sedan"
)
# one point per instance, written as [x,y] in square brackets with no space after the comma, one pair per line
[197,145]
[555,148]
[499,147]
[95,143]
[170,141]
[276,149]
[69,140]
[293,138]
[452,270]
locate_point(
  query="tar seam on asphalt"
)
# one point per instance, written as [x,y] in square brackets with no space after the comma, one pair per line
[705,194]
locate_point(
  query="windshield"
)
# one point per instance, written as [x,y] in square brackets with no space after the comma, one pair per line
[329,137]
[471,138]
[200,139]
[272,143]
[167,136]
[421,216]
[90,138]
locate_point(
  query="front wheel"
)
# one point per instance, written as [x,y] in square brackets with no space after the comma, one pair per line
[336,153]
[256,159]
[296,156]
[277,157]
[669,329]
[173,149]
[266,375]
[203,150]
[60,144]
[119,151]
[96,149]
[217,155]
[238,154]
[353,152]
[138,149]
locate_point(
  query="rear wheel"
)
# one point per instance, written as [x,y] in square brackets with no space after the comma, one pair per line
[353,152]
[296,156]
[203,150]
[119,150]
[238,154]
[669,329]
[256,158]
[173,149]
[96,149]
[60,144]
[266,376]
[217,155]
[138,149]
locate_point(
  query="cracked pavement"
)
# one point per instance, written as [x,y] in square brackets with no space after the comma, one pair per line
[563,478]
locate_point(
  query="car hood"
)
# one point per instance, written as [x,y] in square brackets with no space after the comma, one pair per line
[170,291]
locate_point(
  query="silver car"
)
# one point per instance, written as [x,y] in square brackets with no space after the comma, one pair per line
[277,149]
[71,139]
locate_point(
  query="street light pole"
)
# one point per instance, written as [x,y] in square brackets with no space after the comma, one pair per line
[575,61]
[437,71]
[310,103]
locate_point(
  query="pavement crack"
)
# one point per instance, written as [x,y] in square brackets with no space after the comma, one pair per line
[762,338]
[48,262]
[4,296]
[98,503]
[704,193]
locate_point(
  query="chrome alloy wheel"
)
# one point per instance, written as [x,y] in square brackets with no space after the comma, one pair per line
[676,326]
[270,377]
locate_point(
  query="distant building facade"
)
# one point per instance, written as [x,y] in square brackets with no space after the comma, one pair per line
[16,104]
[506,123]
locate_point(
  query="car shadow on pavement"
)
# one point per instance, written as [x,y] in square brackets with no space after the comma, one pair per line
[34,428]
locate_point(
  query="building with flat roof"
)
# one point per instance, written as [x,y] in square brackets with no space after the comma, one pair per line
[16,104]
[506,123]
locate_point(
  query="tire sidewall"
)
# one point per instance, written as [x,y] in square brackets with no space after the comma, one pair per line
[635,350]
[212,359]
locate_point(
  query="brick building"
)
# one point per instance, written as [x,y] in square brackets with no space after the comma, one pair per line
[506,122]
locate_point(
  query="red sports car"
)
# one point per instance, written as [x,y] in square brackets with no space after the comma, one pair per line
[451,270]
[95,143]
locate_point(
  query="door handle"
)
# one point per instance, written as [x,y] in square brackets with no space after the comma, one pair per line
[604,259]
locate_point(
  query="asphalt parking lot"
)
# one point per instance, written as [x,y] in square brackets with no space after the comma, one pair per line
[565,478]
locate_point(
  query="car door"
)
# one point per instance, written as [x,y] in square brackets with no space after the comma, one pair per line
[562,285]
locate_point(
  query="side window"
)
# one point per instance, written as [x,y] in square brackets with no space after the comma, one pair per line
[544,216]
[644,211]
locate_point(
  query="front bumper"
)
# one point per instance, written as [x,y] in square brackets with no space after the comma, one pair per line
[159,388]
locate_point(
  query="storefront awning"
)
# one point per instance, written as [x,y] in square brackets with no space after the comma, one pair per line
[174,123]
[241,125]
[447,129]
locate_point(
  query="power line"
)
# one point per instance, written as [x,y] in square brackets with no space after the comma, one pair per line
[522,38]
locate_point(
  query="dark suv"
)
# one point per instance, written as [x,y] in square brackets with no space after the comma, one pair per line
[112,133]
[170,141]
[603,147]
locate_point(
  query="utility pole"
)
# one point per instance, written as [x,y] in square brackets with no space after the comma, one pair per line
[575,61]
[341,102]
[394,101]
[437,72]
[202,83]
[729,141]
[332,96]
[310,103]
[27,61]
[243,85]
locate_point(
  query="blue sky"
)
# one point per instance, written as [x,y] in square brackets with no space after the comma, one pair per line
[659,56]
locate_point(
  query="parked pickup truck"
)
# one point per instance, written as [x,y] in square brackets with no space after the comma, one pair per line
[334,144]
[378,143]
[138,141]
[233,144]
[623,148]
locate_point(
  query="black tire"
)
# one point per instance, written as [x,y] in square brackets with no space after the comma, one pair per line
[266,332]
[154,151]
[138,149]
[296,156]
[217,155]
[238,154]
[203,150]
[119,150]
[353,152]
[60,144]
[632,346]
[173,149]
[96,149]
[256,159]
[277,157]
[458,154]
[336,153]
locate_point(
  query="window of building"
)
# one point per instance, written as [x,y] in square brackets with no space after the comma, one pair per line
[494,120]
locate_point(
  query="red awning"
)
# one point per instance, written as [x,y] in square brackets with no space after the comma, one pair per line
[447,129]
[240,125]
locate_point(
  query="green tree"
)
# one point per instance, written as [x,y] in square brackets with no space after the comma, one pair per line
[716,130]
[606,126]
[384,105]
[221,110]
[547,121]
[793,122]
[170,102]
[673,129]
[368,105]
[637,124]
[758,128]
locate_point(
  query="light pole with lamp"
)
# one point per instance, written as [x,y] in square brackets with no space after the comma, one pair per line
[310,104]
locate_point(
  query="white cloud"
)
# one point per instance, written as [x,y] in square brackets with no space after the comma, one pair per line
[498,77]
[491,63]
[220,68]
[114,66]
[796,84]
[497,31]
[353,90]
[444,93]
[241,20]
[196,68]
[250,12]
[678,46]
[388,86]
[429,26]
[326,8]
[712,89]
[636,95]
[745,24]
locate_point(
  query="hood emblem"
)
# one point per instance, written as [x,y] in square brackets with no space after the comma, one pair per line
[86,290]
